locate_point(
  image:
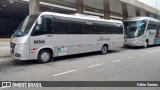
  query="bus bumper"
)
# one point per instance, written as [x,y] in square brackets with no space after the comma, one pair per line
[134,43]
[18,57]
[20,52]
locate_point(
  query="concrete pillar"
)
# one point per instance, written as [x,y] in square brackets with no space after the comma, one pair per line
[137,11]
[34,6]
[124,10]
[106,9]
[80,6]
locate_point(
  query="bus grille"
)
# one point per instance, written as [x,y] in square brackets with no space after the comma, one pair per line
[12,46]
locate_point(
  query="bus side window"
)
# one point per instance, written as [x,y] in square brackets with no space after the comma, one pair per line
[61,26]
[100,29]
[119,29]
[89,28]
[110,29]
[152,25]
[45,28]
[49,26]
[159,27]
[76,27]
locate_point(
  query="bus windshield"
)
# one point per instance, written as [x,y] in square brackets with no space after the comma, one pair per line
[134,29]
[25,26]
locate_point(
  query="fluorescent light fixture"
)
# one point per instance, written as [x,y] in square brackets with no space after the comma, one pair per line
[93,13]
[4,5]
[57,6]
[73,9]
[11,1]
[98,14]
[53,5]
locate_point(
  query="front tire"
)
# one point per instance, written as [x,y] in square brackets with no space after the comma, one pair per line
[104,49]
[44,56]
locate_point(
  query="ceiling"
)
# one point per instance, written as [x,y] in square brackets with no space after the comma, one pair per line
[13,9]
[19,9]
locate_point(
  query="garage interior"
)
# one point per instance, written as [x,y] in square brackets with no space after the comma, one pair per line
[12,12]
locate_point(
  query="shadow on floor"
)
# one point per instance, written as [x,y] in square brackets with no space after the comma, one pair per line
[56,59]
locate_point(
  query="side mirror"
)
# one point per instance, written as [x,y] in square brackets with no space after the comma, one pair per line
[39,21]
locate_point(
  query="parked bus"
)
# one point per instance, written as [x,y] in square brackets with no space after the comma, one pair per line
[43,36]
[142,31]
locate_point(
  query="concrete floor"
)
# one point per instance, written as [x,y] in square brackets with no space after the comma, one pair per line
[134,64]
[4,49]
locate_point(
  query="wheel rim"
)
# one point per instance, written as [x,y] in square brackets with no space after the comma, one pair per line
[45,56]
[104,49]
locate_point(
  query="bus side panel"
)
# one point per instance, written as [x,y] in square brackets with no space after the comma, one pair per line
[39,42]
[157,41]
[86,43]
[74,50]
[73,44]
[96,47]
[151,36]
[157,38]
[116,42]
[76,43]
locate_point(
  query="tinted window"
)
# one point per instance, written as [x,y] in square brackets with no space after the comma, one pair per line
[26,25]
[119,29]
[76,27]
[100,29]
[45,28]
[89,28]
[49,24]
[152,25]
[109,29]
[67,26]
[61,26]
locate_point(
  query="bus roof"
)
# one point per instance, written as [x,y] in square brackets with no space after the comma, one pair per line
[79,16]
[142,18]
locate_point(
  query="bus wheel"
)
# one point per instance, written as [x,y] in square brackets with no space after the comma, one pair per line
[44,56]
[104,49]
[145,44]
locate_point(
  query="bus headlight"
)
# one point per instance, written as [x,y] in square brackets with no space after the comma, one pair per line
[140,42]
[19,45]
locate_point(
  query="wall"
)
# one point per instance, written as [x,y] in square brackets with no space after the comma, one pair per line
[8,26]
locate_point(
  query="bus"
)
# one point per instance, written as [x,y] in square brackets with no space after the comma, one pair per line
[43,36]
[142,31]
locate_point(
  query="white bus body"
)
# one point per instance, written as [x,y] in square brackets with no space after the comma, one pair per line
[142,31]
[43,36]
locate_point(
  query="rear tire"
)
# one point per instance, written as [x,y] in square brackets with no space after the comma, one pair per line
[44,56]
[104,49]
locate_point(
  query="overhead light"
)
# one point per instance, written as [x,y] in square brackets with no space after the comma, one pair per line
[4,5]
[54,5]
[11,1]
